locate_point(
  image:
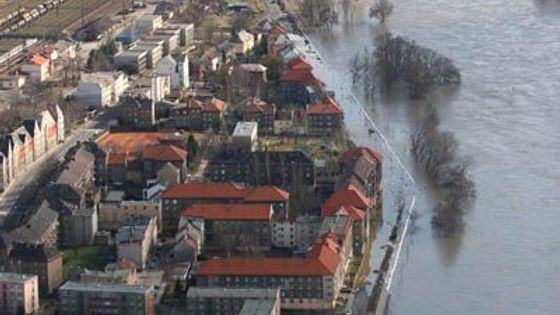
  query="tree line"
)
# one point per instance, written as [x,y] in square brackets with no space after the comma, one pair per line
[397,59]
[437,152]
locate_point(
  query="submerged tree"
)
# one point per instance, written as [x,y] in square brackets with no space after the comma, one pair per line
[396,58]
[319,12]
[437,152]
[381,10]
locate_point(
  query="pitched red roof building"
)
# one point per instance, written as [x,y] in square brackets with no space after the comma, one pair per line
[349,196]
[227,212]
[164,152]
[299,63]
[324,117]
[266,193]
[206,191]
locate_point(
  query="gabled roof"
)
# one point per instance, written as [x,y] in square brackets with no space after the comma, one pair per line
[361,151]
[322,260]
[255,105]
[33,230]
[241,211]
[206,191]
[326,106]
[33,252]
[302,76]
[114,158]
[38,59]
[164,152]
[267,193]
[355,213]
[349,196]
[299,63]
[215,105]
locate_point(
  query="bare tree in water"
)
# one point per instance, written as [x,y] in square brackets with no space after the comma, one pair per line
[320,12]
[398,59]
[381,10]
[437,152]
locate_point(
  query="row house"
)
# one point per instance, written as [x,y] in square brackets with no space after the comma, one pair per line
[299,85]
[309,283]
[232,228]
[362,167]
[199,115]
[29,142]
[40,260]
[351,202]
[324,117]
[179,197]
[262,112]
[136,240]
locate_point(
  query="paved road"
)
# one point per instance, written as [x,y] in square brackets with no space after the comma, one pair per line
[9,198]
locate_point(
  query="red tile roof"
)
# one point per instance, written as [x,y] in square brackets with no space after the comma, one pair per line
[298,63]
[117,158]
[206,191]
[350,196]
[362,151]
[302,76]
[164,152]
[215,105]
[255,105]
[326,106]
[278,30]
[239,211]
[322,260]
[355,213]
[39,60]
[266,193]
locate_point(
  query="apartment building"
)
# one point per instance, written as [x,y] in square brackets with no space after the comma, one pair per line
[19,293]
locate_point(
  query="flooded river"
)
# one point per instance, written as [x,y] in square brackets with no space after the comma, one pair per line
[506,116]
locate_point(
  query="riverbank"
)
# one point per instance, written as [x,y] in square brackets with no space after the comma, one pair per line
[399,186]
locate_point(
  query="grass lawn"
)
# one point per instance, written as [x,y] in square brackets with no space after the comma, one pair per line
[91,257]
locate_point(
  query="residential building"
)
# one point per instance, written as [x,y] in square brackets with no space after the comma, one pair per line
[280,168]
[154,52]
[38,259]
[156,156]
[170,38]
[177,198]
[244,40]
[11,82]
[177,69]
[119,276]
[198,115]
[83,226]
[262,112]
[230,301]
[232,228]
[136,239]
[248,79]
[349,201]
[324,117]
[245,135]
[298,234]
[139,113]
[149,22]
[114,212]
[19,293]
[299,85]
[40,228]
[309,283]
[37,67]
[94,91]
[362,167]
[82,298]
[131,61]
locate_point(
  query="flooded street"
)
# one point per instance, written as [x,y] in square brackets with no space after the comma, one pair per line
[506,116]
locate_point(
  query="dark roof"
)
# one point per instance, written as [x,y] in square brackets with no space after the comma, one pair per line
[29,125]
[38,224]
[33,252]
